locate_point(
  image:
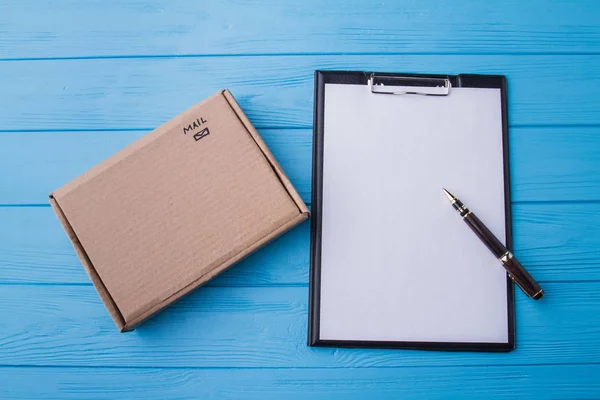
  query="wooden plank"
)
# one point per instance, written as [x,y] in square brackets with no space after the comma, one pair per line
[262,327]
[555,164]
[275,92]
[182,27]
[548,164]
[557,242]
[539,382]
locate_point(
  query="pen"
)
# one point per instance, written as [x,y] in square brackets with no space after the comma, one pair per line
[516,272]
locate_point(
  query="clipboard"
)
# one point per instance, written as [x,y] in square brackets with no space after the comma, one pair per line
[392,266]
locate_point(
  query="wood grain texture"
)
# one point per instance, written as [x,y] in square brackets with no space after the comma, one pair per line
[514,382]
[182,27]
[118,68]
[555,164]
[276,92]
[547,164]
[556,242]
[263,327]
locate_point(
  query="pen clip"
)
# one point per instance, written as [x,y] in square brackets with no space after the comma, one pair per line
[426,86]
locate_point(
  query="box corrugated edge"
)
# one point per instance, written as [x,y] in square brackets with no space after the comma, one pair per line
[105,296]
[267,153]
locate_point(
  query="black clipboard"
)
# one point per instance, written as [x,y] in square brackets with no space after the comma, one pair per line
[411,84]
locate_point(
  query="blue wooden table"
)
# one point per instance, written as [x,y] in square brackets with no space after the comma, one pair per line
[79,80]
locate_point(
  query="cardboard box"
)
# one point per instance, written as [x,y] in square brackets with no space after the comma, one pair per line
[175,208]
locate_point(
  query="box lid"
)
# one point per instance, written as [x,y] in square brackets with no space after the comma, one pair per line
[175,208]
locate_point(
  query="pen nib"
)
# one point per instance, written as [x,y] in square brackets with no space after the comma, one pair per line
[449,195]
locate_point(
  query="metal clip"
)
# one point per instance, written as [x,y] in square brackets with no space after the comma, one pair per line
[426,86]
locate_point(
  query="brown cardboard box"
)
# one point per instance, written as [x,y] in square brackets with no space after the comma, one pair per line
[175,208]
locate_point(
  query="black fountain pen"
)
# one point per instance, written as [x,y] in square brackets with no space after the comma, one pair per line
[516,272]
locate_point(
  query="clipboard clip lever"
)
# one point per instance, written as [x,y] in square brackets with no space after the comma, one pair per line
[426,86]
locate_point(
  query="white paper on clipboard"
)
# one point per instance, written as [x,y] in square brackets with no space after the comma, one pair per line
[397,261]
